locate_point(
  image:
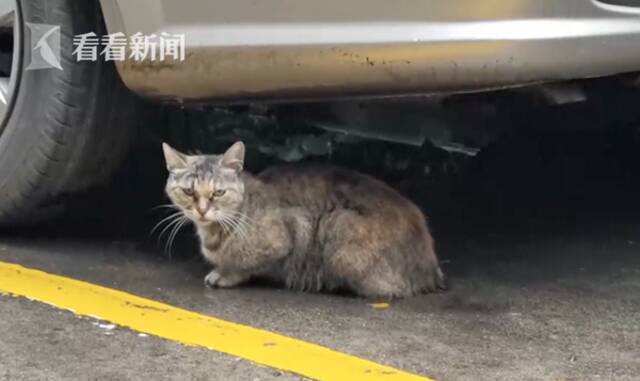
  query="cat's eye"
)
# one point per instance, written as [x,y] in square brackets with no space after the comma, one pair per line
[219,193]
[188,191]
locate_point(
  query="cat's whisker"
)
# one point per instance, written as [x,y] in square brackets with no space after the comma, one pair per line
[174,232]
[233,228]
[171,224]
[241,230]
[230,230]
[164,206]
[242,215]
[237,212]
[164,220]
[244,233]
[168,228]
[224,226]
[170,221]
[242,223]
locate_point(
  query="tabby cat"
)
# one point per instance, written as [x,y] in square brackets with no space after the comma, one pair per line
[309,227]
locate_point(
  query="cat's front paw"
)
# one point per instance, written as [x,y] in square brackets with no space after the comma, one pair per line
[211,280]
[215,280]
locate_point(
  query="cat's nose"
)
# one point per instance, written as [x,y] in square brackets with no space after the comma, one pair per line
[202,207]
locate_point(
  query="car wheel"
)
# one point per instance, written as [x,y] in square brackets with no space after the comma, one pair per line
[61,131]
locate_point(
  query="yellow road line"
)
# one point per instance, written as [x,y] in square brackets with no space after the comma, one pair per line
[162,320]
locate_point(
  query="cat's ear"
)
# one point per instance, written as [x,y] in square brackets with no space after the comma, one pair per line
[173,158]
[234,157]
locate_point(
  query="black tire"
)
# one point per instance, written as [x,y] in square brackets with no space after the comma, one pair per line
[67,130]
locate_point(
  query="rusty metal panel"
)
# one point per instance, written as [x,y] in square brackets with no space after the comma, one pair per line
[293,49]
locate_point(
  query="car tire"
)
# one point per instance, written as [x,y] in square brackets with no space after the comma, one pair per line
[64,131]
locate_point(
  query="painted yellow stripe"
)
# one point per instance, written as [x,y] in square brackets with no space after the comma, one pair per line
[163,320]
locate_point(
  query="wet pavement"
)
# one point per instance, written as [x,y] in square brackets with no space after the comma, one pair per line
[541,294]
